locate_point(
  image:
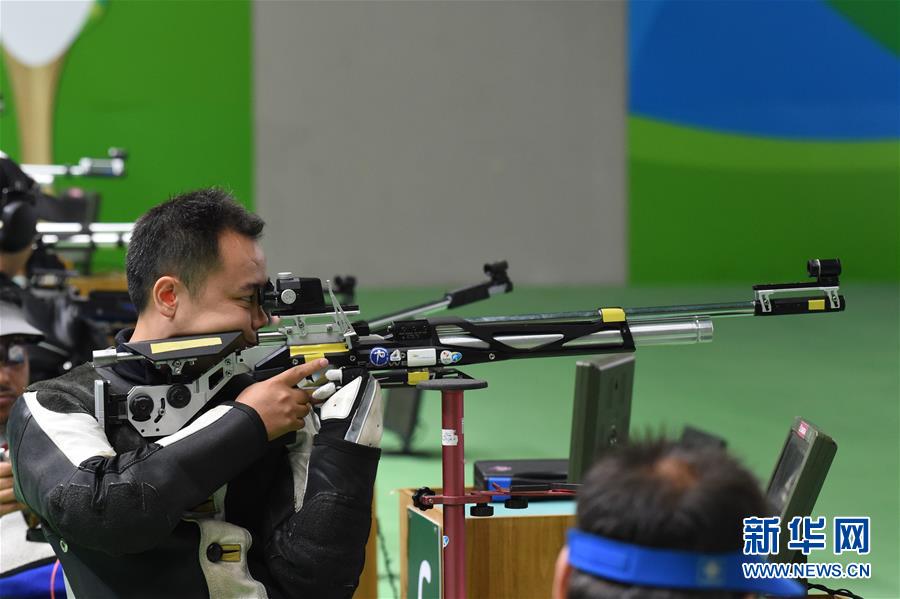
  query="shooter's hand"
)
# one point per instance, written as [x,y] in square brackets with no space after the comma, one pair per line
[8,503]
[277,400]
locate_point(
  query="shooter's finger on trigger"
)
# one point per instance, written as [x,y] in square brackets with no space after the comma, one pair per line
[294,375]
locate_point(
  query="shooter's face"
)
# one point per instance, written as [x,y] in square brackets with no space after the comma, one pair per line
[227,300]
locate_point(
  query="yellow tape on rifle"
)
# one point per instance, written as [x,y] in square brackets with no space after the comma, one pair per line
[314,352]
[415,377]
[612,314]
[167,346]
[818,304]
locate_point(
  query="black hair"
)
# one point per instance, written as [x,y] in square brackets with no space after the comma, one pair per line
[180,238]
[663,494]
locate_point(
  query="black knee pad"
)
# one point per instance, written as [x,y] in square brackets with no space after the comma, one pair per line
[320,550]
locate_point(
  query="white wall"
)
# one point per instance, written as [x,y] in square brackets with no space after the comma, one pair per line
[409,142]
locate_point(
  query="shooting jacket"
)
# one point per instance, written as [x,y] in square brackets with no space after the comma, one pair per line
[213,510]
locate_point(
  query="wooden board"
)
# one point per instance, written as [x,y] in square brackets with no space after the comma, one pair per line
[506,556]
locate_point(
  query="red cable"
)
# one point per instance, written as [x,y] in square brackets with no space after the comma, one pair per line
[53,580]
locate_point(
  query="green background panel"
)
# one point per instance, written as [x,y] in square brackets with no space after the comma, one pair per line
[168,81]
[710,207]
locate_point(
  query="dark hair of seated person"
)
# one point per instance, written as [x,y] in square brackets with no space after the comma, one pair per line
[664,494]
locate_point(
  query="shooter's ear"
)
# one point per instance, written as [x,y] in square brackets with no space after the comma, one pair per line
[166,294]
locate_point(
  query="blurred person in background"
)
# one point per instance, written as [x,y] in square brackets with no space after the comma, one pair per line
[27,561]
[69,338]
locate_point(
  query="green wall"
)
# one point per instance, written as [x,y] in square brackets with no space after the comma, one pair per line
[168,81]
[710,207]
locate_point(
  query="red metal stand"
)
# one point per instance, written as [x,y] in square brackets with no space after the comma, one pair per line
[453,465]
[454,480]
[454,497]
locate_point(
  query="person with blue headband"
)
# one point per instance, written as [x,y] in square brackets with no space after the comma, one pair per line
[663,520]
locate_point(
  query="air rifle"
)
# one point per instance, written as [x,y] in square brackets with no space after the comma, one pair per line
[412,350]
[113,166]
[199,366]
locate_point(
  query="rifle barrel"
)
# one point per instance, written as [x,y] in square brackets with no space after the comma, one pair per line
[634,314]
[681,331]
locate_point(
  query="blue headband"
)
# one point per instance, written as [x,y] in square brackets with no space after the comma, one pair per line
[667,568]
